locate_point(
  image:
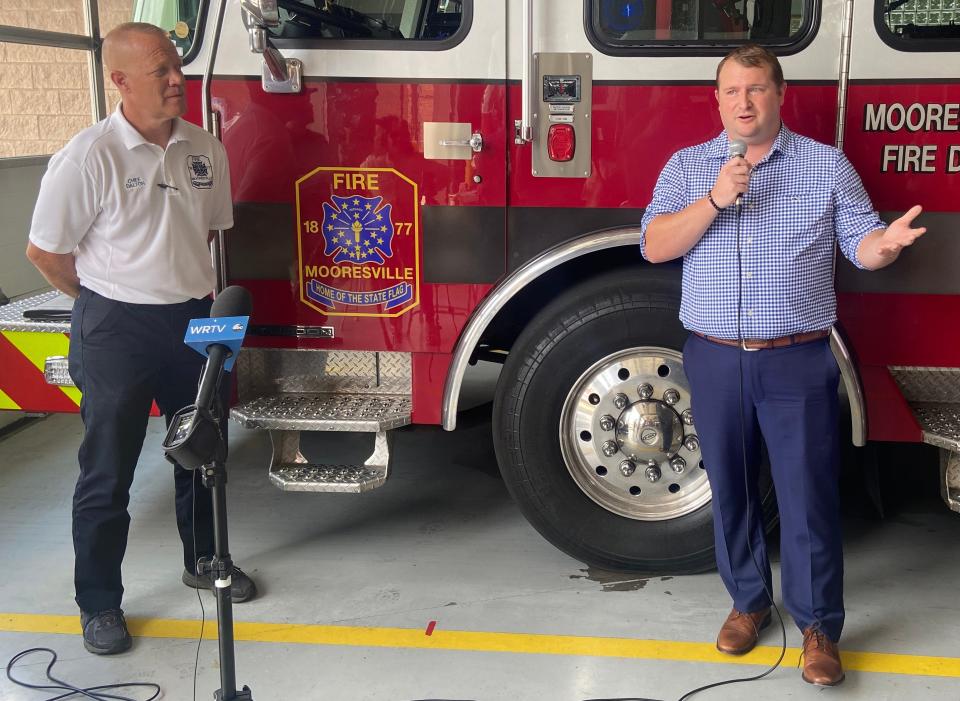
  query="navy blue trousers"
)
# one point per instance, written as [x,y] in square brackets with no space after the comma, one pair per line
[790,400]
[123,357]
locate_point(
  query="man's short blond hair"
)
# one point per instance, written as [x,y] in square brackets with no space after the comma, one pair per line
[754,56]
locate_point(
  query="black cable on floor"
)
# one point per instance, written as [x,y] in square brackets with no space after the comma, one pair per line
[92,692]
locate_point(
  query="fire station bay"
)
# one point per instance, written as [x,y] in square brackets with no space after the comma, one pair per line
[480,350]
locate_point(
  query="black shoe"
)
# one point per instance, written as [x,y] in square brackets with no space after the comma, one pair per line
[242,587]
[105,632]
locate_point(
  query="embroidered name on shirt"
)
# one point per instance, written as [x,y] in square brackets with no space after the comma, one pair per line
[200,171]
[134,183]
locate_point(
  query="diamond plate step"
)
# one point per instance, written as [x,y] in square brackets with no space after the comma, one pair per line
[11,315]
[940,423]
[941,427]
[325,412]
[934,396]
[291,472]
[285,416]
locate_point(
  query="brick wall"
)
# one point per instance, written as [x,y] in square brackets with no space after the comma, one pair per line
[45,92]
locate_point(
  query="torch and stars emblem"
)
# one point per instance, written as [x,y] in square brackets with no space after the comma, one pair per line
[357,230]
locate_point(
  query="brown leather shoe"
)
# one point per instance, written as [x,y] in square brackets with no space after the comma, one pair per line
[821,659]
[741,631]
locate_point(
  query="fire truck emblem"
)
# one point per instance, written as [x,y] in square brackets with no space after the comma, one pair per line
[358,236]
[357,230]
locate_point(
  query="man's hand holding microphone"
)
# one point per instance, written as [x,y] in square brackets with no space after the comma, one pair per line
[670,236]
[734,177]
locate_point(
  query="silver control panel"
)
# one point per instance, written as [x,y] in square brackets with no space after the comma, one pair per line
[563,95]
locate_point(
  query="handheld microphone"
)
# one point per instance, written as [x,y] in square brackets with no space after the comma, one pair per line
[193,439]
[738,148]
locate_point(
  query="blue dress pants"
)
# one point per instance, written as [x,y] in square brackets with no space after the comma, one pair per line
[123,357]
[790,400]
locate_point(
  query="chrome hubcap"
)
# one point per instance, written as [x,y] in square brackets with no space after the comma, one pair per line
[647,430]
[628,438]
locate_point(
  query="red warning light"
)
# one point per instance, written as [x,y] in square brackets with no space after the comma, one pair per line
[561,142]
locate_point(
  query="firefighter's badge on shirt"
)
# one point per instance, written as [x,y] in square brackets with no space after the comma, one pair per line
[358,239]
[200,172]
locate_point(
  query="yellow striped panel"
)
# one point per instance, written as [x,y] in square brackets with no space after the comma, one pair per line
[38,346]
[519,643]
[6,402]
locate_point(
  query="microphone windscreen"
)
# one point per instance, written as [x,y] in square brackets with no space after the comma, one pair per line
[738,147]
[232,301]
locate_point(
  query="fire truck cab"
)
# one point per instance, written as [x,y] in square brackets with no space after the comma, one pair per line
[421,184]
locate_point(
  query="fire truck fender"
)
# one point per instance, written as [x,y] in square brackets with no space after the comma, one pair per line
[507,289]
[852,386]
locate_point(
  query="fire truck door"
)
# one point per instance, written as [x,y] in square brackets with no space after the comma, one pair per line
[900,132]
[370,205]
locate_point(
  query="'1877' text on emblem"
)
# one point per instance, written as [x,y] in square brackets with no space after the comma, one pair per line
[359,241]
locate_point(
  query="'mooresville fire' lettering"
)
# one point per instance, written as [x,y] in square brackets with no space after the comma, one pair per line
[926,117]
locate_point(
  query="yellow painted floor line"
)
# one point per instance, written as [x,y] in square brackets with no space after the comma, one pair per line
[439,639]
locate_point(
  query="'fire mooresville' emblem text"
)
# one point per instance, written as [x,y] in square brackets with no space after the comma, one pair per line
[359,242]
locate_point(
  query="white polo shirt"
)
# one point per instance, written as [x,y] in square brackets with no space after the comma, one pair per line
[135,215]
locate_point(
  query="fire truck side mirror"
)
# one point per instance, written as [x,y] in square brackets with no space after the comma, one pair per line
[280,75]
[260,13]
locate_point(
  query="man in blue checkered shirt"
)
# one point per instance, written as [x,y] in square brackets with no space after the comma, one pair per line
[757,234]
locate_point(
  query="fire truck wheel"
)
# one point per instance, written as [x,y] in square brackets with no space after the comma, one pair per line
[593,429]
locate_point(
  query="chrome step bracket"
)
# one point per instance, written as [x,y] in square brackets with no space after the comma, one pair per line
[941,427]
[934,397]
[323,411]
[291,472]
[286,415]
[950,479]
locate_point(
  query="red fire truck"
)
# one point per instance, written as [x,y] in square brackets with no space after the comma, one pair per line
[421,184]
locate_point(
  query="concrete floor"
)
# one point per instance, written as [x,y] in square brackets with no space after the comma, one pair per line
[443,542]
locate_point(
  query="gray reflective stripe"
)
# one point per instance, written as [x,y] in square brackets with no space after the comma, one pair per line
[930,266]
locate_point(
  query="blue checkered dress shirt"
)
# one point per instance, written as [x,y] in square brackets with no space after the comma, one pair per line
[803,198]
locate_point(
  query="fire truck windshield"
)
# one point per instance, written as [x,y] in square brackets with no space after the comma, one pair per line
[368,19]
[178,17]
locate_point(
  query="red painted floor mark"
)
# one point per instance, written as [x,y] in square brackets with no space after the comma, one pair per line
[430,626]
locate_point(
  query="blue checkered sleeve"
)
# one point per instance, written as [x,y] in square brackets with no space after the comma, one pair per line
[854,215]
[669,196]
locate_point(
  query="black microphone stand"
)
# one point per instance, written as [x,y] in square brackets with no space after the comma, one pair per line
[221,564]
[195,439]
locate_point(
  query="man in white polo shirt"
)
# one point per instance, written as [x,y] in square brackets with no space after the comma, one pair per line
[122,224]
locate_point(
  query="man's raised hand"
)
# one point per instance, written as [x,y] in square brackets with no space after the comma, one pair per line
[900,234]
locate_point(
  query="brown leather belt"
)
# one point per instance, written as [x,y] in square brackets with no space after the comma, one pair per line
[764,343]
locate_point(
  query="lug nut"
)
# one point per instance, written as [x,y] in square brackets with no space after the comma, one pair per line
[687,417]
[678,464]
[627,468]
[653,472]
[691,443]
[621,401]
[671,396]
[607,422]
[645,390]
[609,448]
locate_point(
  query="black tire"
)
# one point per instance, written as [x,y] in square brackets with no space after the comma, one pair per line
[635,309]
